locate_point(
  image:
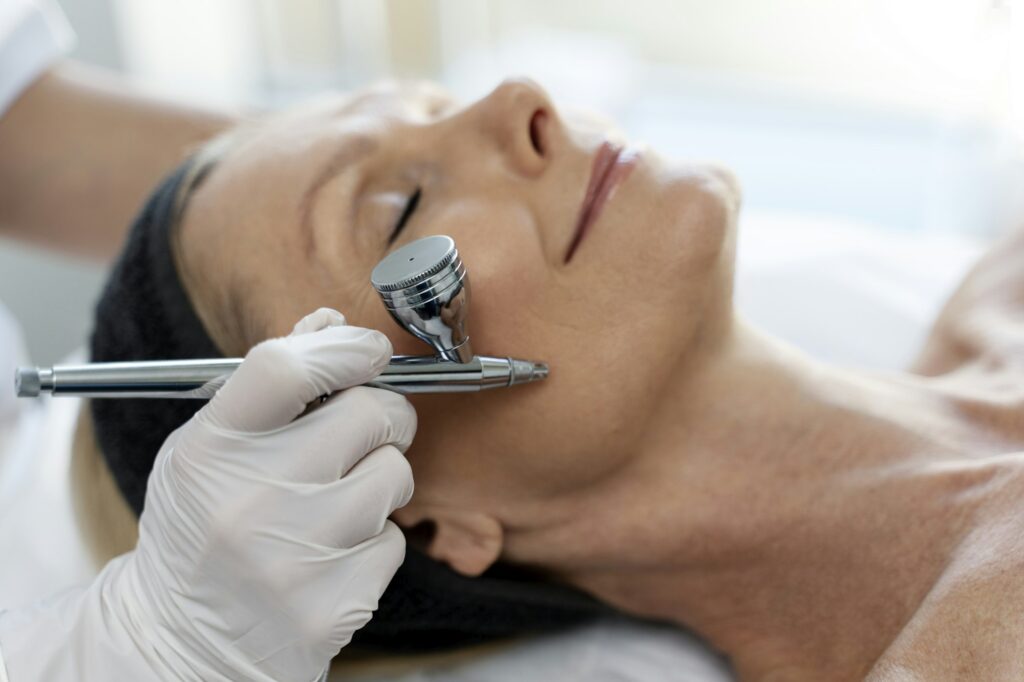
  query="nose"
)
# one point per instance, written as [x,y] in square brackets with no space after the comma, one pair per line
[517,118]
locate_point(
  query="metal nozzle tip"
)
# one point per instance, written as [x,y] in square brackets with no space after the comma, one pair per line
[26,382]
[525,371]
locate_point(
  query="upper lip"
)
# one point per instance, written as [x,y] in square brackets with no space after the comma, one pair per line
[605,157]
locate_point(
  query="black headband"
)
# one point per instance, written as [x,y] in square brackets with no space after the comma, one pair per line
[145,314]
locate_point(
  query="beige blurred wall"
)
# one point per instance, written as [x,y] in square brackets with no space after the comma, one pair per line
[912,54]
[918,55]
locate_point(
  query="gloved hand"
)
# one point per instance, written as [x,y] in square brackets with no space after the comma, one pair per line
[264,543]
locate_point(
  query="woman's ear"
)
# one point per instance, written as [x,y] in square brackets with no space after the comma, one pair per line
[469,542]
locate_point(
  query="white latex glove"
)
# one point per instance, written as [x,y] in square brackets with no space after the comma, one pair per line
[264,543]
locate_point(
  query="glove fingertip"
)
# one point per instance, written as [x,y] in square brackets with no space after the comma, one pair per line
[394,539]
[334,317]
[382,350]
[321,318]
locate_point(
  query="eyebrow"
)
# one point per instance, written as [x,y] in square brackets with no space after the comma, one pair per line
[345,155]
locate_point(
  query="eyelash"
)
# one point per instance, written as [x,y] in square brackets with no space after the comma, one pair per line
[410,207]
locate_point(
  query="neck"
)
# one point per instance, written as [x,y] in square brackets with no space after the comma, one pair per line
[768,510]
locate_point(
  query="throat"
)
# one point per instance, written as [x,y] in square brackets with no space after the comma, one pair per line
[793,514]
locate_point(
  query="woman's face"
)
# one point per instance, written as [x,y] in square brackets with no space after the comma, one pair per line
[302,207]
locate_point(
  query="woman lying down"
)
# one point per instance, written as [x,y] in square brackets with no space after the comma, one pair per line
[811,522]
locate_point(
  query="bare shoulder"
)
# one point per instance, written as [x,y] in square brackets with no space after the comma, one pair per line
[983,322]
[970,626]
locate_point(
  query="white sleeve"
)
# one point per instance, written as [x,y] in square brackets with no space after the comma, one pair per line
[33,34]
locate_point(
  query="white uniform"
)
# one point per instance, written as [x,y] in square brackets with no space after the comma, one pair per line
[32,36]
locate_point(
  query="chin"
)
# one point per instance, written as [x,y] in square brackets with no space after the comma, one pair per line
[699,206]
[729,186]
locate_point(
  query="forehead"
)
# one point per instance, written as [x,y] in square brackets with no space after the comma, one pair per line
[286,158]
[312,129]
[417,99]
[414,101]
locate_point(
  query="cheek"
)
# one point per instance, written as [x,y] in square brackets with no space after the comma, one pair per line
[507,305]
[611,331]
[700,206]
[500,447]
[500,246]
[507,276]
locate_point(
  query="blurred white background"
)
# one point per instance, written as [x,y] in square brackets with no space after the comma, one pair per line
[901,115]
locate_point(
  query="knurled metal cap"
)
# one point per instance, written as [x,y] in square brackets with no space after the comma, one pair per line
[26,382]
[431,260]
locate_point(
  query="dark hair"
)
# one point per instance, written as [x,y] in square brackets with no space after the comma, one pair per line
[145,314]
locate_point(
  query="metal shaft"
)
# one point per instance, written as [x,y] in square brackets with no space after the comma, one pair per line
[202,378]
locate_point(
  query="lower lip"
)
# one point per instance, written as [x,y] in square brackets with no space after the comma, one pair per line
[611,166]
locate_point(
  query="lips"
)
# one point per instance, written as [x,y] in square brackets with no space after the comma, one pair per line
[610,168]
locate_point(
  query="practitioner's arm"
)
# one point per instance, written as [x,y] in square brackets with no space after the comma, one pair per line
[80,152]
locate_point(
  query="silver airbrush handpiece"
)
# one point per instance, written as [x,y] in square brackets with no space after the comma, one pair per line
[202,378]
[424,286]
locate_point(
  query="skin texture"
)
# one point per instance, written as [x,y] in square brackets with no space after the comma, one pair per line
[811,522]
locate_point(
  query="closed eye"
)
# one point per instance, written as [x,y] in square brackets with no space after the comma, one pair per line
[410,206]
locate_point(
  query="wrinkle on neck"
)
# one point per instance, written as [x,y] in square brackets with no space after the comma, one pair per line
[794,514]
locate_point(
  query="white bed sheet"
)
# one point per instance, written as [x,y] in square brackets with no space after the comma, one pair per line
[609,651]
[845,291]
